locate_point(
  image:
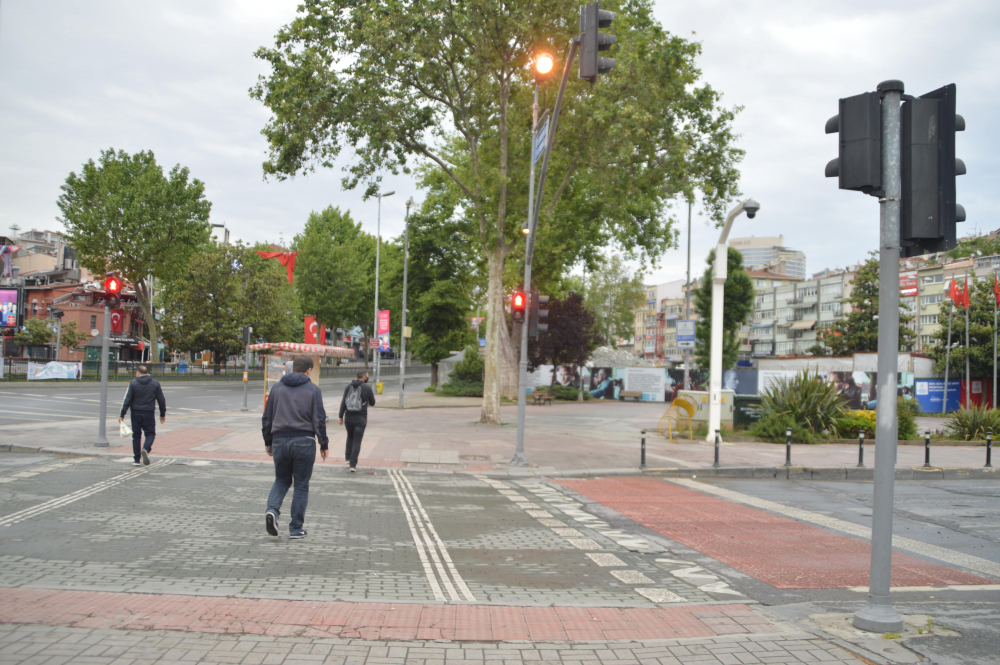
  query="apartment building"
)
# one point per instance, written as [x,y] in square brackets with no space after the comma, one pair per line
[770,253]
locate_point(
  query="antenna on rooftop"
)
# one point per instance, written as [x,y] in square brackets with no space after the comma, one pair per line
[14,228]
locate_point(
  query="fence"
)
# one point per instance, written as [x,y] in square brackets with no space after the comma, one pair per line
[16,369]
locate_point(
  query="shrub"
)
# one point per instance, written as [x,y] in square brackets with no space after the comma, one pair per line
[700,430]
[430,389]
[851,425]
[460,388]
[568,393]
[771,427]
[807,399]
[972,424]
[471,367]
[907,411]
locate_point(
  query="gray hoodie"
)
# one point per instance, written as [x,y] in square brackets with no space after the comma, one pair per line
[295,408]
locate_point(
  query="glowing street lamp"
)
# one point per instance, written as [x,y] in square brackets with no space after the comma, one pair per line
[543,66]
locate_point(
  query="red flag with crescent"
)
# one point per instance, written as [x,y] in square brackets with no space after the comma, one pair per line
[286,259]
[996,289]
[117,319]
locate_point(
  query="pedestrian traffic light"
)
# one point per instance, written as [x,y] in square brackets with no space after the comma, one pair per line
[518,301]
[247,331]
[112,290]
[859,162]
[592,40]
[537,317]
[929,210]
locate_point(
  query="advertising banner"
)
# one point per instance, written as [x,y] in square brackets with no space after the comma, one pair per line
[312,327]
[649,381]
[908,286]
[685,334]
[383,330]
[475,321]
[53,370]
[929,392]
[8,308]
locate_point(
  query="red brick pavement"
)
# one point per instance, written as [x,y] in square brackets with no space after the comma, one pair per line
[779,551]
[372,621]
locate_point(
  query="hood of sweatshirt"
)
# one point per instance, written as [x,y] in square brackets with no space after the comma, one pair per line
[357,382]
[295,379]
[144,379]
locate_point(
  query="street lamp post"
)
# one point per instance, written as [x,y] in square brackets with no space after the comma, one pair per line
[719,270]
[402,329]
[378,246]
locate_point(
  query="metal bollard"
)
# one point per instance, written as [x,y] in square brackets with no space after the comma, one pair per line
[788,446]
[718,438]
[642,460]
[989,448]
[927,449]
[861,448]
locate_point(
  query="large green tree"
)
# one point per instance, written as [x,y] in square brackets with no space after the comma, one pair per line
[857,331]
[449,85]
[124,214]
[980,350]
[737,305]
[335,270]
[221,289]
[571,337]
[36,332]
[613,293]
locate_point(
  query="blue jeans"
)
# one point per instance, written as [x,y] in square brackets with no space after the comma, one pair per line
[293,460]
[142,421]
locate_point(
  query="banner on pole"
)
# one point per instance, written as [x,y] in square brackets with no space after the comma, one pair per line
[383,330]
[540,138]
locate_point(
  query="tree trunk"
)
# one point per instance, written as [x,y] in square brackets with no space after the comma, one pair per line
[142,296]
[434,375]
[500,378]
[580,397]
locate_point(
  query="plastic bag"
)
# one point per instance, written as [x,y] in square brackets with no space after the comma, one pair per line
[124,430]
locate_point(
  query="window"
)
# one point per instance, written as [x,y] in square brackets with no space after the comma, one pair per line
[761,282]
[830,307]
[928,340]
[831,289]
[806,291]
[933,279]
[93,321]
[928,319]
[783,330]
[763,316]
[784,347]
[781,313]
[930,300]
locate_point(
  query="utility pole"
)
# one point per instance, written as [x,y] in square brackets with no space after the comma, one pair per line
[102,425]
[378,247]
[878,615]
[247,331]
[687,305]
[402,329]
[947,359]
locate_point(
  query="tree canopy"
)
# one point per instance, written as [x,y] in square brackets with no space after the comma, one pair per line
[448,86]
[737,305]
[613,294]
[571,338]
[123,214]
[980,350]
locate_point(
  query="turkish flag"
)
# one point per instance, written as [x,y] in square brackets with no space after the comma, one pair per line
[117,319]
[996,289]
[965,295]
[953,290]
[286,259]
[311,329]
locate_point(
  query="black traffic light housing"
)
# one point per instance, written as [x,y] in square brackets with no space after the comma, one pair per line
[518,303]
[929,209]
[592,41]
[112,290]
[247,331]
[859,161]
[538,317]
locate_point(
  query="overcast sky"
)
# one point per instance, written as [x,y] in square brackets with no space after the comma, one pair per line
[172,77]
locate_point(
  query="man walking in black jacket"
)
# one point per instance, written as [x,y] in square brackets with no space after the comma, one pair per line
[143,394]
[293,419]
[354,405]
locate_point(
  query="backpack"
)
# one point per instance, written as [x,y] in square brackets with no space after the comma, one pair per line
[354,402]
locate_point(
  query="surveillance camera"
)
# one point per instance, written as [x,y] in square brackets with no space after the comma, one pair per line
[751,207]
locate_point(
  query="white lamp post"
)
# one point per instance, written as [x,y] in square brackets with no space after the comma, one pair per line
[719,271]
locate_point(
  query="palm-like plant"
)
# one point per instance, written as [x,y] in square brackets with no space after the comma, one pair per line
[973,424]
[808,399]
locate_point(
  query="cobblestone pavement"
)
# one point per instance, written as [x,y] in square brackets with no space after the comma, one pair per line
[34,644]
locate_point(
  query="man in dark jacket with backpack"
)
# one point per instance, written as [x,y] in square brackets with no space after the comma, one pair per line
[143,395]
[293,420]
[354,414]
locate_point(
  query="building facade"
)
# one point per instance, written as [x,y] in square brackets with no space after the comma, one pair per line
[769,252]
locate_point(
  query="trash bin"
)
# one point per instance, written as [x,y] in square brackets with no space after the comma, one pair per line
[182,368]
[378,387]
[746,410]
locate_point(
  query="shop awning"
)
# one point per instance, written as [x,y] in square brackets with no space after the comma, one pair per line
[803,325]
[294,349]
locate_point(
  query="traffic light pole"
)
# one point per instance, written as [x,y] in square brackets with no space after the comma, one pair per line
[102,427]
[402,327]
[534,204]
[878,615]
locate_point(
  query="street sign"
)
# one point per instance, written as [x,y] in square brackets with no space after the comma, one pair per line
[373,343]
[685,334]
[541,136]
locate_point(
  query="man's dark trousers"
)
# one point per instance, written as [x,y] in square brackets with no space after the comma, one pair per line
[355,424]
[293,461]
[143,421]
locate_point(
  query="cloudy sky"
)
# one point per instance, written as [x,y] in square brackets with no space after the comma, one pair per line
[172,77]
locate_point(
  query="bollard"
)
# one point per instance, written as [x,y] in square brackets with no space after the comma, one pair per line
[717,440]
[642,460]
[989,448]
[861,448]
[927,449]
[788,446]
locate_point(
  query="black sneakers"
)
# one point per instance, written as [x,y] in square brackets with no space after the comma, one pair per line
[271,522]
[145,456]
[297,535]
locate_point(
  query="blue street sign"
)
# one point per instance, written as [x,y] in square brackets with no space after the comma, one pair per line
[540,137]
[685,334]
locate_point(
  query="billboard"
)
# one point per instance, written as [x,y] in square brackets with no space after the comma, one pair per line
[908,286]
[383,330]
[8,308]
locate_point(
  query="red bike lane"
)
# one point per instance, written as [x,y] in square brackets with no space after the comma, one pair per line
[776,550]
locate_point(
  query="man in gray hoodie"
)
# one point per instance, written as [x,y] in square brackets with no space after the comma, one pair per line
[293,420]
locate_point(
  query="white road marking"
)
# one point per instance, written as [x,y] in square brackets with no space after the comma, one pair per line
[58,502]
[631,577]
[429,538]
[418,541]
[944,554]
[605,560]
[930,589]
[660,595]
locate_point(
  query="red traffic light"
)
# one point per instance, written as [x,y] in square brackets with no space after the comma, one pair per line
[112,285]
[518,301]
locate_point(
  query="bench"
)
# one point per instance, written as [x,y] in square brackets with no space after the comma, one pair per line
[633,394]
[542,397]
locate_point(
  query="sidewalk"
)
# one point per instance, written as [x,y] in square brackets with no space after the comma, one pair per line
[593,438]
